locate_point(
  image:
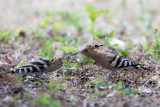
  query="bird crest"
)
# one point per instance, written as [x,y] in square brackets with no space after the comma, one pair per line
[96,46]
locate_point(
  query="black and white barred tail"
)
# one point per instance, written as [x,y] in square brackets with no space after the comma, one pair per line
[118,62]
[37,66]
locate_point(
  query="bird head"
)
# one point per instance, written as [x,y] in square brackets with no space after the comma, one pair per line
[90,48]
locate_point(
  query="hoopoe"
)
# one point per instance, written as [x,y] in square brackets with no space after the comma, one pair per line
[109,60]
[38,66]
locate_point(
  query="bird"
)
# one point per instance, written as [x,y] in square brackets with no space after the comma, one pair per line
[40,65]
[109,60]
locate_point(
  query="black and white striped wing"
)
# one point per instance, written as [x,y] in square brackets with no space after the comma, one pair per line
[118,62]
[37,66]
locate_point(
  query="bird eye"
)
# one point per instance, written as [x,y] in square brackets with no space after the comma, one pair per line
[86,50]
[96,46]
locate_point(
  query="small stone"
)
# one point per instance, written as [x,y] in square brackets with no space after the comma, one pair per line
[126,104]
[8,99]
[110,95]
[92,78]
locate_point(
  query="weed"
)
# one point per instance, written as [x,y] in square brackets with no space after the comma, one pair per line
[93,15]
[91,90]
[68,77]
[100,94]
[38,83]
[48,101]
[72,99]
[155,47]
[87,60]
[5,34]
[71,67]
[98,84]
[16,97]
[47,49]
[24,62]
[44,23]
[158,86]
[124,53]
[62,40]
[128,91]
[56,85]
[108,38]
[119,85]
[20,78]
[68,49]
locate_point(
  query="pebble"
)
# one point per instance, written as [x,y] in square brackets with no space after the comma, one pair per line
[8,99]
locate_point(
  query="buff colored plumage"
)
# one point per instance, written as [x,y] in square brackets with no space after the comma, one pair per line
[40,65]
[109,60]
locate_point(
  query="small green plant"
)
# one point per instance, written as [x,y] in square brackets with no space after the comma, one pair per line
[71,67]
[16,97]
[56,85]
[123,89]
[45,23]
[38,83]
[48,101]
[87,84]
[21,63]
[47,49]
[68,65]
[124,53]
[98,83]
[59,38]
[68,77]
[93,96]
[5,34]
[20,78]
[100,94]
[128,91]
[108,38]
[72,99]
[68,49]
[158,86]
[91,90]
[156,44]
[87,60]
[119,85]
[95,13]
[39,35]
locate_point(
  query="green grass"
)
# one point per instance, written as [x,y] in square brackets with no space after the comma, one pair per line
[47,50]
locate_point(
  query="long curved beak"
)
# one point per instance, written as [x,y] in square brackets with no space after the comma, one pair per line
[76,53]
[70,54]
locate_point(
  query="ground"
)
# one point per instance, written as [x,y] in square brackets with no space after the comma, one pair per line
[53,28]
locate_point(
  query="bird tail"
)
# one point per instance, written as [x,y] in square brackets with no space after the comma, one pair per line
[138,66]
